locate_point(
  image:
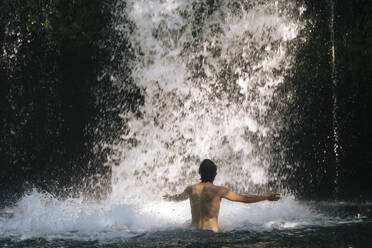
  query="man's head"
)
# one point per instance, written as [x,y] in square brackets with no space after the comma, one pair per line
[207,171]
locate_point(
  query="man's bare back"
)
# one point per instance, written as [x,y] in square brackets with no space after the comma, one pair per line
[205,199]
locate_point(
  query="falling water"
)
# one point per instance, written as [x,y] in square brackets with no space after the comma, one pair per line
[336,144]
[208,73]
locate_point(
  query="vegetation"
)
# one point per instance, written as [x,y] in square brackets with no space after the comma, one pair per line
[52,53]
[310,169]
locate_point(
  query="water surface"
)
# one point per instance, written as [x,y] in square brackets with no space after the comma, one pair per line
[40,220]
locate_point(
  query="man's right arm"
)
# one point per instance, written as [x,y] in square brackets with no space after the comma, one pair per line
[178,197]
[232,196]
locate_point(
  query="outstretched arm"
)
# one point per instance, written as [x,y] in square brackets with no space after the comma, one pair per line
[179,197]
[232,196]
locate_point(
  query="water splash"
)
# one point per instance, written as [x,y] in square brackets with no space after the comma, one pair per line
[42,215]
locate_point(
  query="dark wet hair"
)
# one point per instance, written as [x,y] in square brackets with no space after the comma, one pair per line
[207,171]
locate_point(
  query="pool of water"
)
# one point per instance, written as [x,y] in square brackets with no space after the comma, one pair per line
[40,220]
[341,235]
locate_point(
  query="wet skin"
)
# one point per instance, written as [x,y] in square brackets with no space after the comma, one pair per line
[205,199]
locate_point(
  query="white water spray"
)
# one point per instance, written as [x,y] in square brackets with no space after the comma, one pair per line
[208,75]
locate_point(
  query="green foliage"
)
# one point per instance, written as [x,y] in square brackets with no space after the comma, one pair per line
[77,20]
[52,52]
[310,168]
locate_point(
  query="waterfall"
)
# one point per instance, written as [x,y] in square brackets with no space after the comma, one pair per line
[208,72]
[335,124]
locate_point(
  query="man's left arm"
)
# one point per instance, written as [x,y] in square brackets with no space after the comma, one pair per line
[178,197]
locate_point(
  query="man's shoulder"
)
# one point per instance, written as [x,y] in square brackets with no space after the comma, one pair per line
[215,188]
[222,189]
[192,186]
[195,186]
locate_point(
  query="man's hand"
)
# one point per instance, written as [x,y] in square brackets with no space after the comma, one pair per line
[179,197]
[272,196]
[166,196]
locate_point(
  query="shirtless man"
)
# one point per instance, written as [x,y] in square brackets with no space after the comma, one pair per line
[205,198]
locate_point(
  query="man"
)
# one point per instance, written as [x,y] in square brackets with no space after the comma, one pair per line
[205,198]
